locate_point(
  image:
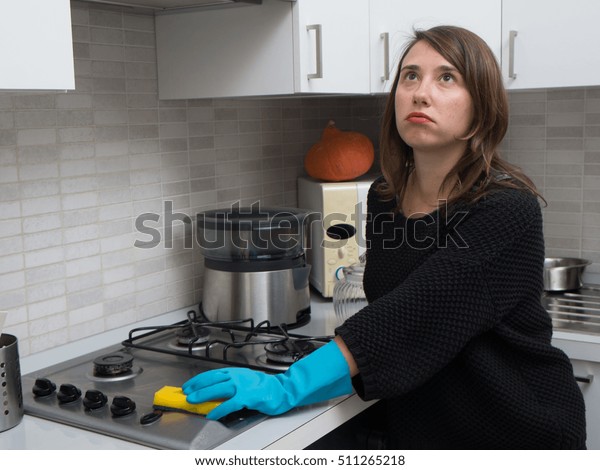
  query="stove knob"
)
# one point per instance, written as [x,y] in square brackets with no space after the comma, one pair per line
[68,393]
[122,406]
[43,387]
[151,417]
[94,399]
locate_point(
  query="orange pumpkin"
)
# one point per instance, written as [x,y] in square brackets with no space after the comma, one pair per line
[339,155]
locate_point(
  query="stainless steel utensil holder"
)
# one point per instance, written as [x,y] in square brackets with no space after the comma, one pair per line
[11,394]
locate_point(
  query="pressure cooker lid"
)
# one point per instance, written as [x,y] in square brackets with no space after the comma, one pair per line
[252,233]
[251,218]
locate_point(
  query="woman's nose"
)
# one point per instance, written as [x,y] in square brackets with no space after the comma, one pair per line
[421,94]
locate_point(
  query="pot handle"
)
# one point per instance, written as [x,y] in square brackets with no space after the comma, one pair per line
[300,277]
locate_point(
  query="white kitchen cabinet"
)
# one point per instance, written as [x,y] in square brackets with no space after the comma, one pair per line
[276,48]
[344,45]
[588,377]
[392,22]
[36,50]
[554,45]
[584,353]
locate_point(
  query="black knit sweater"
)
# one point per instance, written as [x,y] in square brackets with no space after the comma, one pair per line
[455,340]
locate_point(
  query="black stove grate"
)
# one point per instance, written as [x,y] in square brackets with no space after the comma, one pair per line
[231,338]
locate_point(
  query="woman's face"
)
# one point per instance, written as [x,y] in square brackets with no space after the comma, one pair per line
[434,109]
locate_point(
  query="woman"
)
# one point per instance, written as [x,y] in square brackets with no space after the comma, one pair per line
[454,341]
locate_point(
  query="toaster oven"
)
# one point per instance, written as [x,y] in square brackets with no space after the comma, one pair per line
[336,237]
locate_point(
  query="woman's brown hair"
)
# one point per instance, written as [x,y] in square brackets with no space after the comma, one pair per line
[478,170]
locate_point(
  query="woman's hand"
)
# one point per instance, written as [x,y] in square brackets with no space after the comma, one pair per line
[322,375]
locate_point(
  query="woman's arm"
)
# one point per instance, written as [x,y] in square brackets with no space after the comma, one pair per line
[454,296]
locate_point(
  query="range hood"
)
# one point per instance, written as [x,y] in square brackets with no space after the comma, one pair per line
[177,4]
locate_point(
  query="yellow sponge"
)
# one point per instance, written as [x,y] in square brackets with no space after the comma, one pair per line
[173,399]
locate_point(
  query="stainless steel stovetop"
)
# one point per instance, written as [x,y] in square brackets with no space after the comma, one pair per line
[111,391]
[576,311]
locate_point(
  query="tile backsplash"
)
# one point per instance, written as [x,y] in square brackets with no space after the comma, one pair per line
[554,136]
[78,169]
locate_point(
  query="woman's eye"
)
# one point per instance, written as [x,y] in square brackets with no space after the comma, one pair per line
[447,77]
[410,76]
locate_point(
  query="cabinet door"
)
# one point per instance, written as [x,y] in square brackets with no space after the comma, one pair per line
[588,377]
[343,46]
[554,44]
[242,51]
[396,19]
[36,50]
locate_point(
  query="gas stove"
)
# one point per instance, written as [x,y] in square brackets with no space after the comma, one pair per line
[111,390]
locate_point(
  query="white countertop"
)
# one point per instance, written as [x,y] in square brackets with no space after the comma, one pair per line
[293,430]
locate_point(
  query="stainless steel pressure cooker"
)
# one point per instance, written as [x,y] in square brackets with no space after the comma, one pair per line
[254,264]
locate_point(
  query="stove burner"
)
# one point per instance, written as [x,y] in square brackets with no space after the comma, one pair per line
[189,333]
[113,364]
[263,361]
[288,351]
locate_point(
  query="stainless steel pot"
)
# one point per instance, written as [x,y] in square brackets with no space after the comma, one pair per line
[562,274]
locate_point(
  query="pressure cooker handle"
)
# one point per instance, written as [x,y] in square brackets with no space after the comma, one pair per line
[300,276]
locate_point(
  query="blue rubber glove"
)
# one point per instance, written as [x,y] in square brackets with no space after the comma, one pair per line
[322,375]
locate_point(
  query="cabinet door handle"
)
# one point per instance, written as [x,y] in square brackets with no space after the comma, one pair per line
[318,51]
[588,379]
[511,54]
[386,56]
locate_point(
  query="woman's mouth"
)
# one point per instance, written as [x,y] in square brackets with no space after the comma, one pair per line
[418,118]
